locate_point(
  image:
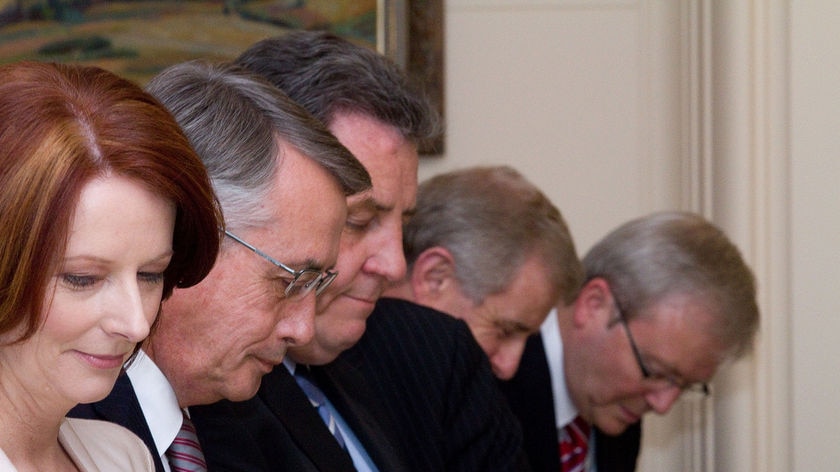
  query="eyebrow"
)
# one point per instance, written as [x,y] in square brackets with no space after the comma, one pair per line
[513,325]
[101,260]
[310,263]
[367,203]
[371,203]
[664,369]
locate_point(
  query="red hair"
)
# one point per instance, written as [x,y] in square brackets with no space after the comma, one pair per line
[61,126]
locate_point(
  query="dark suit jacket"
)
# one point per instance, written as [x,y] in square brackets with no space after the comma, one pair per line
[121,407]
[417,380]
[279,430]
[530,396]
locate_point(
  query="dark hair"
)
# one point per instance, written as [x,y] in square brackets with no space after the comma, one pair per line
[62,126]
[327,74]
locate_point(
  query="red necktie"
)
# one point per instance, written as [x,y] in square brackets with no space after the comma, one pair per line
[573,445]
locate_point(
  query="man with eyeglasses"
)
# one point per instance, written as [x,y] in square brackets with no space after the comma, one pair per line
[370,356]
[282,181]
[667,299]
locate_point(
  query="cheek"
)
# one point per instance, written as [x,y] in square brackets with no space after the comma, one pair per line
[69,319]
[350,261]
[228,346]
[152,303]
[610,383]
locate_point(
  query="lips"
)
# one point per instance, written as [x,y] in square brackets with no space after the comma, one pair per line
[267,364]
[367,290]
[103,361]
[369,301]
[628,416]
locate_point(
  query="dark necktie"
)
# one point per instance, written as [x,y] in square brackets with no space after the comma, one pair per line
[185,454]
[318,400]
[573,445]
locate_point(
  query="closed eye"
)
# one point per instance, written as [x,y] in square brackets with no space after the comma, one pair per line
[151,277]
[78,282]
[358,224]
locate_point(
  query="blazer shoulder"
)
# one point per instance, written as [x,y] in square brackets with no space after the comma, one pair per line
[99,445]
[402,316]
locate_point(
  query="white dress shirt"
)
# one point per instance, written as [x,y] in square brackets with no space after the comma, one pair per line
[564,410]
[158,402]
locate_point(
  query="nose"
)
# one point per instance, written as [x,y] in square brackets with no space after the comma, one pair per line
[388,260]
[663,399]
[505,361]
[128,316]
[296,324]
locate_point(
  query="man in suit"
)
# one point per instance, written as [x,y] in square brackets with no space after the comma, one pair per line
[281,179]
[488,247]
[453,245]
[401,377]
[667,300]
[531,395]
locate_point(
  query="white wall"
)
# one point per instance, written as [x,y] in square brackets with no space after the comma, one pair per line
[559,90]
[618,108]
[815,224]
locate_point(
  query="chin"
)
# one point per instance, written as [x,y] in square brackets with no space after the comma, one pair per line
[93,392]
[339,334]
[321,353]
[612,426]
[242,392]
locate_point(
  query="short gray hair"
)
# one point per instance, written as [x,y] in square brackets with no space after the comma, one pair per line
[491,219]
[234,119]
[679,253]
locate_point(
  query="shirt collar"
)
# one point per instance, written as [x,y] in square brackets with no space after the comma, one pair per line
[157,400]
[564,409]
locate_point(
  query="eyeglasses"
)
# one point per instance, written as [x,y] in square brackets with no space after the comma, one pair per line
[697,387]
[303,281]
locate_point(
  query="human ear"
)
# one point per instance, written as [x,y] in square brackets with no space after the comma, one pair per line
[594,301]
[432,273]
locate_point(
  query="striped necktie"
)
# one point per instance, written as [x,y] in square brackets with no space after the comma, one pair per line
[318,400]
[185,454]
[573,445]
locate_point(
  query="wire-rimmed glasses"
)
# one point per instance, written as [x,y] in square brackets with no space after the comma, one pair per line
[672,381]
[303,281]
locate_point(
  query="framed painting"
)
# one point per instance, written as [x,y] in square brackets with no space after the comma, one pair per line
[137,38]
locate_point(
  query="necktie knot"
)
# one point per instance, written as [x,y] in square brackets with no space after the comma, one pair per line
[574,440]
[185,454]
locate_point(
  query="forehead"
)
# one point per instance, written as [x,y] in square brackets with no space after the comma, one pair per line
[678,331]
[389,158]
[528,298]
[112,201]
[307,209]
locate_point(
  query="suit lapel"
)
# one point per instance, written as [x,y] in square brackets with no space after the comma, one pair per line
[289,404]
[531,398]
